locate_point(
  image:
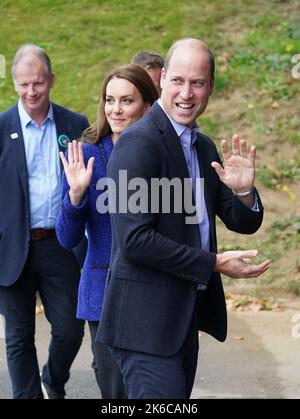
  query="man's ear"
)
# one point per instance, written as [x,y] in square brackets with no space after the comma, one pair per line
[212,86]
[15,85]
[162,78]
[52,80]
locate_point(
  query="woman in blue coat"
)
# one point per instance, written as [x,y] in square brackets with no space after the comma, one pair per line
[127,93]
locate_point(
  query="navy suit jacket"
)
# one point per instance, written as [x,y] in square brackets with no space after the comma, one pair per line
[157,261]
[14,197]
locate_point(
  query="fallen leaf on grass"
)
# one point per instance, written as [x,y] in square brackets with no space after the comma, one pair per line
[238,302]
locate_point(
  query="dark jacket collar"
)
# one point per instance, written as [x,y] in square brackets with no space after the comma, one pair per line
[170,139]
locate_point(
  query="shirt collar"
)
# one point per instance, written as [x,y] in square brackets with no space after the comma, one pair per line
[180,129]
[26,119]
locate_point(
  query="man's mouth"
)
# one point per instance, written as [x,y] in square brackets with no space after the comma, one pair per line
[32,100]
[184,106]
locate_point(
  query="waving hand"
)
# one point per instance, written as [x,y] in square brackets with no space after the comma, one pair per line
[78,176]
[238,171]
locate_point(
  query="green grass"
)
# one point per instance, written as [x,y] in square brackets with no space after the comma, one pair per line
[86,38]
[279,173]
[255,95]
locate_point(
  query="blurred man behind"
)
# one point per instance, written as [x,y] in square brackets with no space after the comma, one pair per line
[153,63]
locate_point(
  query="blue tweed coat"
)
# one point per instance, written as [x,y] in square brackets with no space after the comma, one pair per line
[73,221]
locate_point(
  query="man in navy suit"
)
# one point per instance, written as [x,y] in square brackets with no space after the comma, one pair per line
[31,134]
[164,283]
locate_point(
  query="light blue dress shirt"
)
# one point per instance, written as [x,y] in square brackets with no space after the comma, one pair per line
[43,168]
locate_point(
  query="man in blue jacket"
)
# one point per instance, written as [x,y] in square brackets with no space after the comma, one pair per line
[31,135]
[165,284]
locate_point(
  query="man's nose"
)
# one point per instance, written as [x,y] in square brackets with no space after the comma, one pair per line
[186,91]
[31,90]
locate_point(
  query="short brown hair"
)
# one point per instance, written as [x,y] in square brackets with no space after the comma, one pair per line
[148,60]
[201,43]
[27,49]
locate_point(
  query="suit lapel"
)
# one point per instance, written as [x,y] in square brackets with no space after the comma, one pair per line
[61,127]
[15,136]
[170,139]
[63,130]
[173,145]
[205,159]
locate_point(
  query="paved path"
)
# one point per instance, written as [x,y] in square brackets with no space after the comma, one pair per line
[260,359]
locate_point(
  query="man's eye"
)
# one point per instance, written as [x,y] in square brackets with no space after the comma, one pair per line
[199,83]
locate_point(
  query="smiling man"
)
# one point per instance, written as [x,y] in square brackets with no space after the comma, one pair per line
[33,82]
[187,82]
[32,133]
[165,273]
